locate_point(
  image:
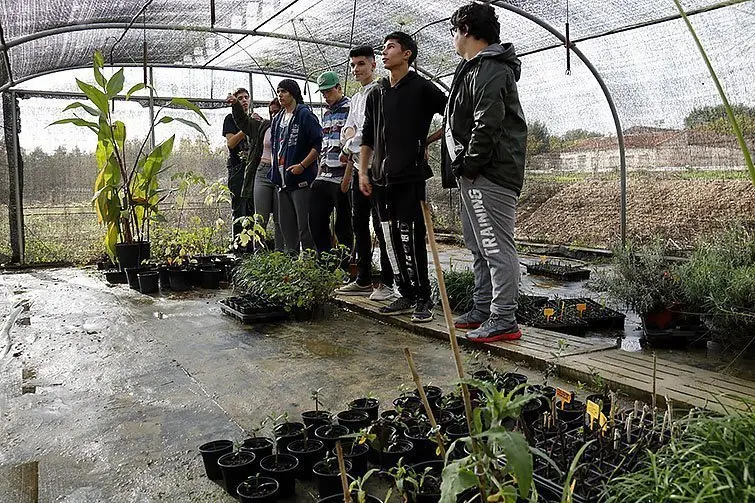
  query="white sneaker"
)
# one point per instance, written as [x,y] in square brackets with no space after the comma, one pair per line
[383,292]
[354,289]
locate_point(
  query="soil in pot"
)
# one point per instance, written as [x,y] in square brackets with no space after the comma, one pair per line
[258,490]
[354,420]
[429,490]
[211,451]
[369,405]
[400,448]
[235,466]
[285,433]
[451,403]
[433,394]
[180,279]
[260,446]
[308,452]
[210,278]
[327,476]
[281,467]
[424,448]
[149,282]
[330,433]
[313,419]
[356,453]
[408,403]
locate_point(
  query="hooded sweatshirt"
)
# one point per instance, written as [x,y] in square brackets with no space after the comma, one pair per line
[485,130]
[301,136]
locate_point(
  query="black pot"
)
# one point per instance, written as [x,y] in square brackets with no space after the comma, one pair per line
[132,275]
[180,279]
[355,420]
[338,498]
[258,490]
[313,419]
[384,433]
[445,418]
[330,433]
[369,405]
[236,466]
[260,446]
[211,451]
[308,452]
[427,494]
[115,277]
[531,410]
[210,278]
[285,433]
[425,449]
[512,380]
[164,277]
[281,467]
[572,413]
[131,254]
[328,476]
[453,404]
[401,448]
[357,454]
[149,281]
[455,432]
[433,394]
[604,402]
[408,403]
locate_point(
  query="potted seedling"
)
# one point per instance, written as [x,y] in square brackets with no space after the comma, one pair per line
[236,466]
[259,445]
[328,475]
[330,434]
[280,466]
[258,489]
[307,451]
[353,419]
[286,431]
[314,418]
[210,452]
[368,404]
[358,491]
[356,449]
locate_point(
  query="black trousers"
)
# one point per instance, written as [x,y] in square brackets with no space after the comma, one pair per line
[363,208]
[240,206]
[399,208]
[325,197]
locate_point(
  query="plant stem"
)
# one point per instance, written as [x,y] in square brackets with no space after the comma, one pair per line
[423,396]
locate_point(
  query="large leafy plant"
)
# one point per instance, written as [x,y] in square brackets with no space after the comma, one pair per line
[126,193]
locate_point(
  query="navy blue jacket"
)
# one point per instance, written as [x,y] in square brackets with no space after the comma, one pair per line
[304,134]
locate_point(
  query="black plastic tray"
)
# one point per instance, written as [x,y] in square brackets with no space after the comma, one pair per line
[260,316]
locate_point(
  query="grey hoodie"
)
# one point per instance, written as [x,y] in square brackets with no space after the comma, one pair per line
[485,130]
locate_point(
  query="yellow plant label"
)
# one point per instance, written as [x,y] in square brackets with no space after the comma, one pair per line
[581,309]
[564,396]
[548,312]
[593,410]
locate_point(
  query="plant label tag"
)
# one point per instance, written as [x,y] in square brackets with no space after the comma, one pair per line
[564,396]
[581,309]
[593,410]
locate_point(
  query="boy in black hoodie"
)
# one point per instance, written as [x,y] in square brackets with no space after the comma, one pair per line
[397,120]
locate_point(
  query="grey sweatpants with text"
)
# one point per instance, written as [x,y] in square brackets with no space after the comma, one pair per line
[488,215]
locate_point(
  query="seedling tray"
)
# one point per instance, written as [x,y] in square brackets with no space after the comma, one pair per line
[597,316]
[558,271]
[234,306]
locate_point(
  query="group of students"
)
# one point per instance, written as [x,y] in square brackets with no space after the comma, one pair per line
[367,160]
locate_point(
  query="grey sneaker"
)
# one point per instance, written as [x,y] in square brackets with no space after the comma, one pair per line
[383,292]
[402,305]
[423,312]
[495,329]
[471,319]
[354,288]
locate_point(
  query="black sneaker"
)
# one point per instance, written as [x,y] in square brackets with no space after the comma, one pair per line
[402,305]
[423,312]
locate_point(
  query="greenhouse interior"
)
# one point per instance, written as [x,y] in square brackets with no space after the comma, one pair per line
[312,251]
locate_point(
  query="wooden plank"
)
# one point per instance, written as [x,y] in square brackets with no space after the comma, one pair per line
[20,483]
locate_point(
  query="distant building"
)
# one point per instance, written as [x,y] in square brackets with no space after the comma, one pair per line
[648,148]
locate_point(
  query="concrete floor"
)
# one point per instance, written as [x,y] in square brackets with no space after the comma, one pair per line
[105,393]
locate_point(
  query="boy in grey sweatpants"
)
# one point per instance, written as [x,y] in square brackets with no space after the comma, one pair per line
[484,147]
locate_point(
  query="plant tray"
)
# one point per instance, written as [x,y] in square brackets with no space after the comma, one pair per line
[597,316]
[558,271]
[234,306]
[564,321]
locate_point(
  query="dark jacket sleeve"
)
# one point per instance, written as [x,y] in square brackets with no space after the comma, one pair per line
[488,92]
[244,122]
[436,99]
[368,128]
[314,132]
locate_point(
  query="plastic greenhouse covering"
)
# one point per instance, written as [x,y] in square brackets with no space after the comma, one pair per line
[641,49]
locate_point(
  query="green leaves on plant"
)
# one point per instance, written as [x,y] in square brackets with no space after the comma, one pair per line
[77,104]
[517,452]
[96,96]
[135,88]
[458,476]
[99,63]
[76,121]
[115,84]
[184,103]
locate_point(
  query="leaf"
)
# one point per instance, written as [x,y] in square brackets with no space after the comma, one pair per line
[193,125]
[135,88]
[97,97]
[165,120]
[518,455]
[98,64]
[111,238]
[457,477]
[184,103]
[115,84]
[99,59]
[77,122]
[119,133]
[77,104]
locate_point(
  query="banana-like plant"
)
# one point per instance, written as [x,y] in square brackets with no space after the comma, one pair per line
[126,194]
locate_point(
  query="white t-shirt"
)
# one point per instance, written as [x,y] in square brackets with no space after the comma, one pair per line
[356,120]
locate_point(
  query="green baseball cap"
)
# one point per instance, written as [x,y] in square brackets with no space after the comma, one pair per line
[327,80]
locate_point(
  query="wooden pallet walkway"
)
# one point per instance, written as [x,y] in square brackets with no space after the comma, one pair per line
[583,359]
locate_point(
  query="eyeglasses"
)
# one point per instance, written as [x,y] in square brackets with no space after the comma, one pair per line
[454,29]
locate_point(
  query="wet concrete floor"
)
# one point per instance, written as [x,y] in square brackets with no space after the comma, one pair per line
[105,393]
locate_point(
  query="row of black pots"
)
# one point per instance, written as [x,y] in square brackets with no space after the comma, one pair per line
[147,279]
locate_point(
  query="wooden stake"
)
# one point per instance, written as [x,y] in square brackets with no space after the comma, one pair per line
[342,468]
[423,397]
[655,369]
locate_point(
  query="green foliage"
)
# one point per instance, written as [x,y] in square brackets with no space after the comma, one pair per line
[642,277]
[500,463]
[714,118]
[538,138]
[712,462]
[720,279]
[297,283]
[459,287]
[126,195]
[571,138]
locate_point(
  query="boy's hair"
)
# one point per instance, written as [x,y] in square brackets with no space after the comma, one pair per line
[274,102]
[478,20]
[362,50]
[239,91]
[406,42]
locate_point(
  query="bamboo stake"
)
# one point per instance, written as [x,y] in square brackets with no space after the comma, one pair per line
[423,397]
[342,469]
[655,368]
[451,331]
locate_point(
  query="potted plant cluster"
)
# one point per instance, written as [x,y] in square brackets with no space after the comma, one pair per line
[126,191]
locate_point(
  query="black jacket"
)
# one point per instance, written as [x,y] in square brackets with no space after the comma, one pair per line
[396,123]
[485,120]
[255,133]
